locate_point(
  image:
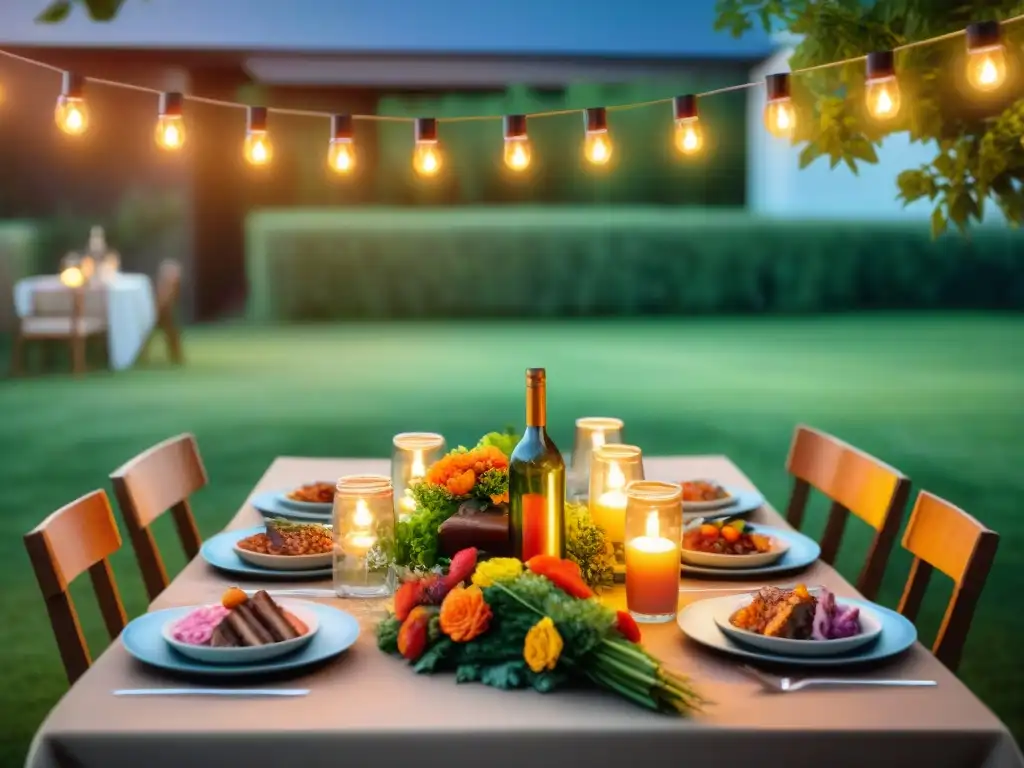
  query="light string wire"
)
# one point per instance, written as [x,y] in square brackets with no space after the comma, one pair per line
[472,118]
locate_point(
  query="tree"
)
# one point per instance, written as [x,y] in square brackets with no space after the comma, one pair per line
[980,156]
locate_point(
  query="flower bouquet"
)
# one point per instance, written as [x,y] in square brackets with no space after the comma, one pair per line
[533,625]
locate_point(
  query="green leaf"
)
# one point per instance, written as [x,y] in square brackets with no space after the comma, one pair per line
[431,660]
[938,222]
[55,12]
[103,10]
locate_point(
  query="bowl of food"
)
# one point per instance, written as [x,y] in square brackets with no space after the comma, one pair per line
[700,495]
[242,629]
[798,622]
[312,497]
[730,544]
[288,546]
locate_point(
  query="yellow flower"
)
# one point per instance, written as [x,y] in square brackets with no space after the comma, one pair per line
[496,569]
[543,645]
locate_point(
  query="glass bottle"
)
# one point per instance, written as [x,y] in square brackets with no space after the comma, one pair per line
[364,529]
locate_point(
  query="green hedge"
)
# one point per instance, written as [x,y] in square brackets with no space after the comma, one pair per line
[18,252]
[484,262]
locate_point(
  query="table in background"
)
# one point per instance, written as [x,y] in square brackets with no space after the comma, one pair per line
[131,311]
[369,709]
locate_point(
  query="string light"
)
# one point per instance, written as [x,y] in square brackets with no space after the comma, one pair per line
[342,155]
[257,148]
[517,152]
[426,158]
[779,115]
[882,90]
[72,114]
[986,56]
[170,127]
[597,146]
[689,137]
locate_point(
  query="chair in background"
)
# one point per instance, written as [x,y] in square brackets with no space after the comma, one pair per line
[856,483]
[61,314]
[168,291]
[77,538]
[160,479]
[944,537]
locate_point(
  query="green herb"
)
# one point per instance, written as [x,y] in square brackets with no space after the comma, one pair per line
[387,634]
[588,547]
[504,441]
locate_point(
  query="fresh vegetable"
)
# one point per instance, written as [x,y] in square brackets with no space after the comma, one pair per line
[832,622]
[504,441]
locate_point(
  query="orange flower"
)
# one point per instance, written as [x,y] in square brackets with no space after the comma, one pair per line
[459,470]
[462,483]
[564,574]
[465,614]
[412,636]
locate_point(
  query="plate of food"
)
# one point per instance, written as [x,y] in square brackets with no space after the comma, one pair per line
[701,494]
[221,551]
[798,552]
[798,622]
[273,504]
[336,631]
[242,629]
[742,502]
[730,544]
[286,545]
[311,497]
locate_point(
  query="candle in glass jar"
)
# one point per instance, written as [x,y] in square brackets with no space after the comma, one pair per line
[407,504]
[361,538]
[652,574]
[609,509]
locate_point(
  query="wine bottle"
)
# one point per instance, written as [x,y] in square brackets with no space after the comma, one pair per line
[536,481]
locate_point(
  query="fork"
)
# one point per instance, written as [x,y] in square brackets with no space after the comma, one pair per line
[789,684]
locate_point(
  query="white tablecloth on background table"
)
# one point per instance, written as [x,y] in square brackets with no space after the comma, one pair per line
[131,311]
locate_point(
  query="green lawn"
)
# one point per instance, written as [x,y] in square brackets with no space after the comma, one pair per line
[942,398]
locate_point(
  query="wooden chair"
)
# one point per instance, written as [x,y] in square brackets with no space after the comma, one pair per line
[856,483]
[72,315]
[168,291]
[944,537]
[77,538]
[149,485]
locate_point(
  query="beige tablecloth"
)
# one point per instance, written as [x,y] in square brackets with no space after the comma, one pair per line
[368,710]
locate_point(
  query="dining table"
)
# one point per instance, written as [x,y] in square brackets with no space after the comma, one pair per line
[367,709]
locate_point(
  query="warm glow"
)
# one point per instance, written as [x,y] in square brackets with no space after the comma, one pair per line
[72,277]
[170,132]
[418,469]
[689,136]
[342,156]
[615,477]
[72,116]
[651,527]
[780,118]
[597,147]
[597,438]
[426,159]
[517,153]
[363,517]
[258,150]
[986,68]
[883,98]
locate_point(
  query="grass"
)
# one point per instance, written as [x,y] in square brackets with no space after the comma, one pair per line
[940,397]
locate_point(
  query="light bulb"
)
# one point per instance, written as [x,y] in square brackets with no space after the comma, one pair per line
[258,149]
[72,115]
[342,156]
[426,158]
[986,68]
[170,132]
[517,153]
[883,98]
[689,136]
[780,118]
[597,147]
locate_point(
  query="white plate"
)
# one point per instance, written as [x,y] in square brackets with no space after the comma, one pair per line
[700,506]
[248,654]
[870,624]
[736,562]
[285,562]
[316,507]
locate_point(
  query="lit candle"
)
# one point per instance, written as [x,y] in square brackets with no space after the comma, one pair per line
[609,510]
[407,504]
[652,574]
[361,538]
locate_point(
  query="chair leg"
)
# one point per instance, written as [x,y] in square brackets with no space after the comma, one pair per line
[46,355]
[174,349]
[78,365]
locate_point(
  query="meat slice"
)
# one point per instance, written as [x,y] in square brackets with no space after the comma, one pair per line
[272,617]
[224,636]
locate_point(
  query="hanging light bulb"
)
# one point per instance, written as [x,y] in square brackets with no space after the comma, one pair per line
[426,158]
[779,115]
[72,115]
[257,148]
[342,156]
[597,146]
[986,56]
[517,144]
[689,138]
[881,89]
[170,127]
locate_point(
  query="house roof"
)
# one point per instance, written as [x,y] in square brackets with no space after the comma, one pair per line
[648,29]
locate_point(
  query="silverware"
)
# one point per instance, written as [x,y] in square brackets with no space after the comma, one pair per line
[788,684]
[747,588]
[243,692]
[296,592]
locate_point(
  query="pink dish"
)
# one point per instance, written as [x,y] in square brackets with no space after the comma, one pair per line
[197,628]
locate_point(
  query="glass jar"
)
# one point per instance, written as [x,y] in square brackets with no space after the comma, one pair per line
[654,527]
[612,467]
[591,432]
[364,531]
[411,457]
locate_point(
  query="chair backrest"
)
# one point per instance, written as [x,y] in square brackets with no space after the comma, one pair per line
[160,479]
[168,284]
[60,301]
[856,483]
[77,538]
[943,537]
